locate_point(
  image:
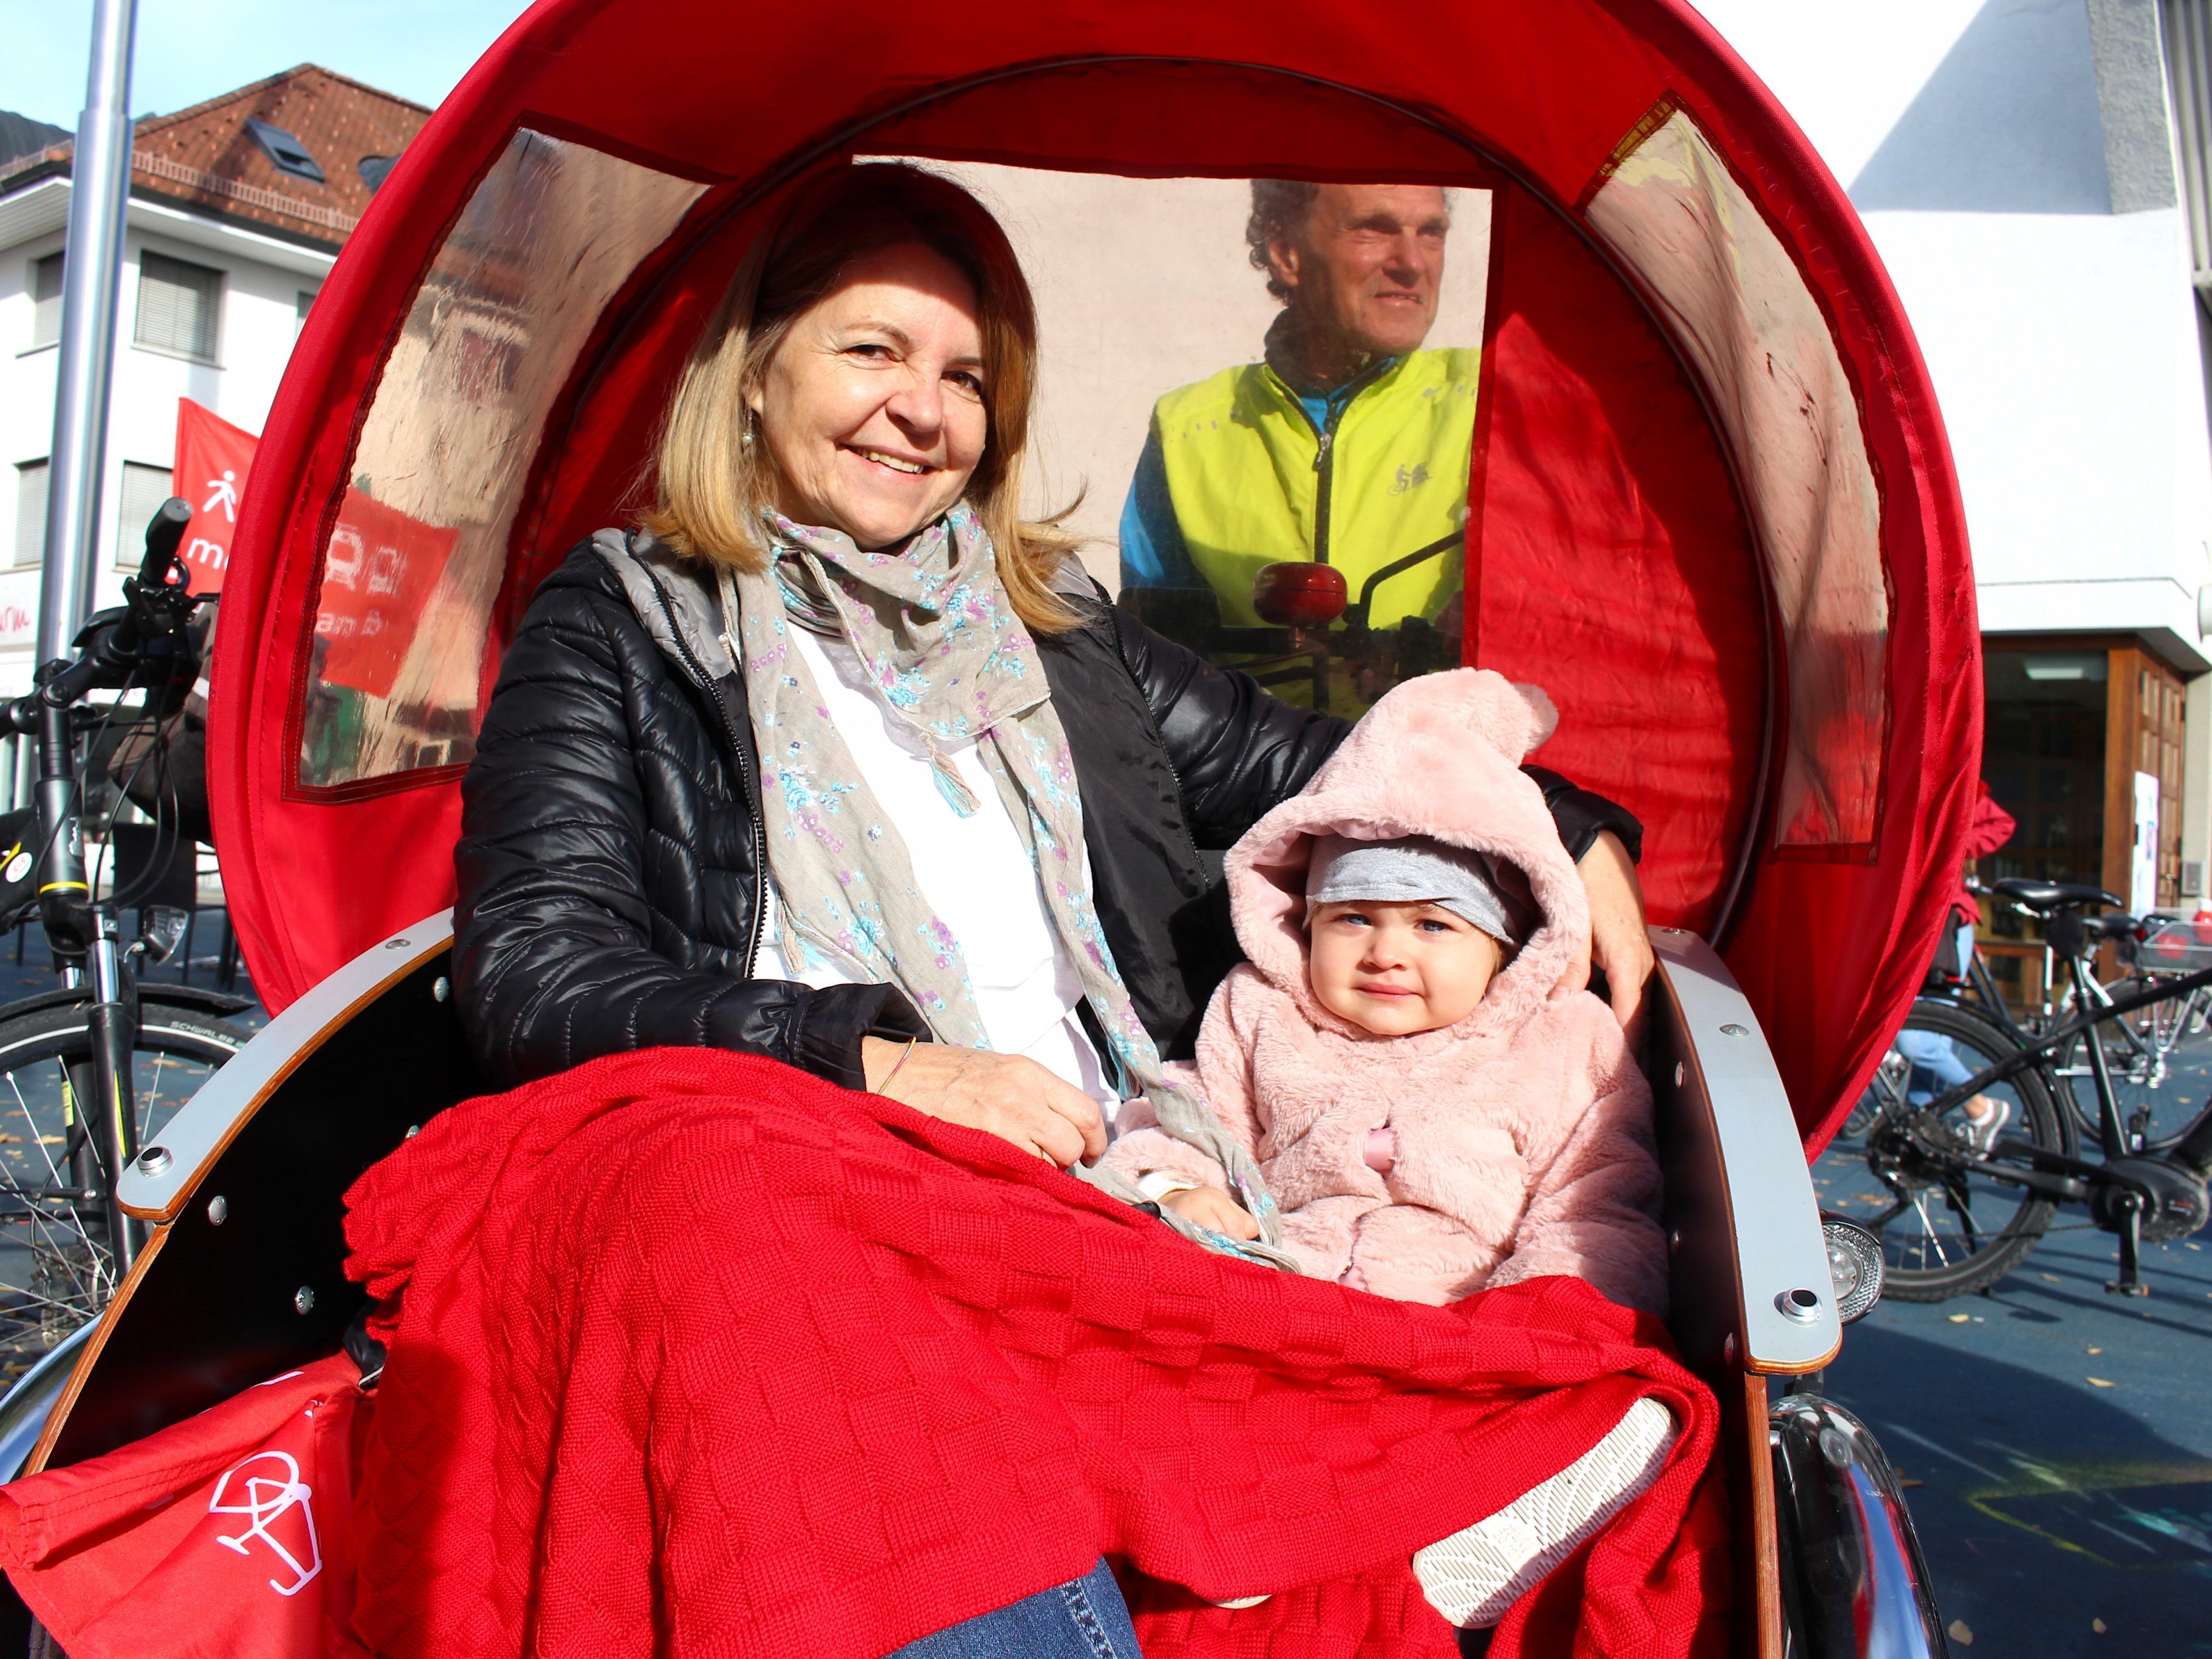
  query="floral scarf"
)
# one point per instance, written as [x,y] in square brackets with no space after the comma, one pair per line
[942,649]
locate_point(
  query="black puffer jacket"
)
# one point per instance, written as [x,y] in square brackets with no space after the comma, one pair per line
[610,875]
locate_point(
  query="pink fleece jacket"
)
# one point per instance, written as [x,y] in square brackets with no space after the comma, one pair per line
[1515,1143]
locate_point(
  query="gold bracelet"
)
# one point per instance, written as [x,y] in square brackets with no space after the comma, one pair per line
[896,1064]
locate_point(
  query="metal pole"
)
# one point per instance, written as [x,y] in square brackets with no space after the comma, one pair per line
[100,186]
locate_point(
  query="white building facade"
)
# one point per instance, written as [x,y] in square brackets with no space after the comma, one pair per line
[208,311]
[2025,168]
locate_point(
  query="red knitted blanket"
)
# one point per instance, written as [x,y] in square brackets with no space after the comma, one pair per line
[699,1354]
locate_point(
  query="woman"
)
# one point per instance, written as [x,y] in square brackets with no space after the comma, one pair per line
[839,762]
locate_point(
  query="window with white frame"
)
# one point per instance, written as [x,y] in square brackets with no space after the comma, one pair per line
[45,300]
[30,512]
[144,489]
[177,306]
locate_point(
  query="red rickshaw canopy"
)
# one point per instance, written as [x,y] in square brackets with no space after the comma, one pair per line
[1711,510]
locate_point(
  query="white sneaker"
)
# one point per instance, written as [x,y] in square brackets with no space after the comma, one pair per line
[1474,1577]
[1980,1134]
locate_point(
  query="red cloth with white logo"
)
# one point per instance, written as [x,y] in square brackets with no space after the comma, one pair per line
[699,1354]
[219,1538]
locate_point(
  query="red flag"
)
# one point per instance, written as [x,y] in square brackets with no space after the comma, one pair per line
[380,570]
[213,459]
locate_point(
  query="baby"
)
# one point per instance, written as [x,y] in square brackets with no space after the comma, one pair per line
[1432,1114]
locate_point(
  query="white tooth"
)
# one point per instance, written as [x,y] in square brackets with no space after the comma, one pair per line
[892,461]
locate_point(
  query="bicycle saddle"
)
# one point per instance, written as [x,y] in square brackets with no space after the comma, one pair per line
[2045,897]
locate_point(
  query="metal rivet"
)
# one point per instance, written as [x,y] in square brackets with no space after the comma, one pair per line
[395,945]
[413,1129]
[218,1210]
[1728,1349]
[1681,1071]
[304,1298]
[1674,1242]
[441,988]
[1735,1031]
[1801,1305]
[154,1160]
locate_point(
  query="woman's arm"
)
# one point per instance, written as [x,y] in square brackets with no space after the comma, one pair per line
[553,948]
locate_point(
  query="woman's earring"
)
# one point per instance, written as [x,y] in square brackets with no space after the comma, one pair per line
[752,419]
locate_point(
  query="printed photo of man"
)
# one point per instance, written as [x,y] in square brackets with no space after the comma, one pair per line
[1347,445]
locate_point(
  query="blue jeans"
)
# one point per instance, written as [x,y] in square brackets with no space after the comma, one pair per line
[1936,1066]
[1084,1619]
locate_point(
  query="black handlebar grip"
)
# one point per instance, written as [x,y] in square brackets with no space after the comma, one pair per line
[163,537]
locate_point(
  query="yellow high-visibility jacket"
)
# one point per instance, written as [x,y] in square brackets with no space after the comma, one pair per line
[1254,482]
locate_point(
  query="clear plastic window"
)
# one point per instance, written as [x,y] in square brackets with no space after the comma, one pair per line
[1740,311]
[413,563]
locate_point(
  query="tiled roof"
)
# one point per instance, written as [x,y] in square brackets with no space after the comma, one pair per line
[204,157]
[21,136]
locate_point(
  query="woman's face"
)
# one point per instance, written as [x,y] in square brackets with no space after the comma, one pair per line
[873,408]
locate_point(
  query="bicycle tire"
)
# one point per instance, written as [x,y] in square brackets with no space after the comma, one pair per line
[55,1271]
[1880,1161]
[2077,1088]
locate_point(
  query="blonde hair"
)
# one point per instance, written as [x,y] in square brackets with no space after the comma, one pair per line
[713,486]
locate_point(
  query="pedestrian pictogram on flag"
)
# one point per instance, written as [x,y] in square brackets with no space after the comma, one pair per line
[213,459]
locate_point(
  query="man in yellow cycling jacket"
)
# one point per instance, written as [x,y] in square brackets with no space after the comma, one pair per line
[1348,444]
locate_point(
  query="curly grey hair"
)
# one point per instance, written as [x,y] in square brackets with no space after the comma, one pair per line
[1279,207]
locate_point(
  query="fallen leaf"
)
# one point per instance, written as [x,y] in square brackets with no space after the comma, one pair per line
[1961,1632]
[2187,1245]
[2097,1382]
[11,1140]
[2096,1350]
[2097,1625]
[2052,1278]
[1906,1481]
[1960,1319]
[53,1140]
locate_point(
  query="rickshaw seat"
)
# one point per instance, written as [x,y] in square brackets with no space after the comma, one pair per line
[244,1275]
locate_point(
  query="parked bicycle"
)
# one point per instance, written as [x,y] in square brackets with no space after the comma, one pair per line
[86,1070]
[1972,1131]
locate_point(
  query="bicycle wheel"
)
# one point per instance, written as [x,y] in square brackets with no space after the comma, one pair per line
[57,1266]
[2160,1067]
[1946,1226]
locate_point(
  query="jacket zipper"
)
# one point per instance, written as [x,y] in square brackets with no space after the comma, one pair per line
[1325,440]
[749,778]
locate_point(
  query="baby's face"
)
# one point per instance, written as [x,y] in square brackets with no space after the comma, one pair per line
[1395,969]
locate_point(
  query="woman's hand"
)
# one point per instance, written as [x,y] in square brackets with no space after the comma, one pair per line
[1209,1207]
[1618,941]
[1009,1095]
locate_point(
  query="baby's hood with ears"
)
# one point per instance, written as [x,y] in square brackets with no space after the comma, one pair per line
[1439,755]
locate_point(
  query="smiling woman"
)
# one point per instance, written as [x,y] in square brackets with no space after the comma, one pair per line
[845,383]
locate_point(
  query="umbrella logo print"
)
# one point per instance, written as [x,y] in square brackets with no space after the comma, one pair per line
[265,1498]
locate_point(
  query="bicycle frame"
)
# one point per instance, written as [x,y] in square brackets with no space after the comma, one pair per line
[81,933]
[2038,1048]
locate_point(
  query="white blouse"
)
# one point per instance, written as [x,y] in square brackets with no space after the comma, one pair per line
[973,872]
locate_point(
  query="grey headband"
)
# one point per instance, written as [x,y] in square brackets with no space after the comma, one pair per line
[1487,894]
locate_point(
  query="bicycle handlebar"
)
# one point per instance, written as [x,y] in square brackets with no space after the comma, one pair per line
[111,651]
